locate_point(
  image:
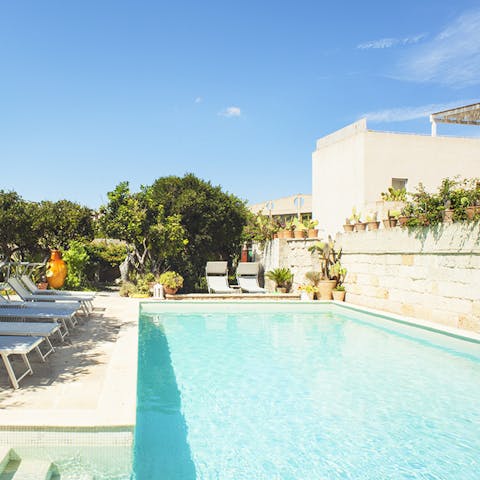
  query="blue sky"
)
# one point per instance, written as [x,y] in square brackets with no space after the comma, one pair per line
[96,92]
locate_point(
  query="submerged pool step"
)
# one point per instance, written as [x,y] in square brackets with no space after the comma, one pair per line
[35,470]
[4,458]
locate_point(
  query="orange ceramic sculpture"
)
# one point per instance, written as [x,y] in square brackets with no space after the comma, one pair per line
[56,270]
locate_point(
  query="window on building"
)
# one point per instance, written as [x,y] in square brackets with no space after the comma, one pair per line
[399,183]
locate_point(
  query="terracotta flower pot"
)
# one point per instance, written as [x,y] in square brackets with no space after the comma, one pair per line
[325,288]
[373,225]
[360,227]
[281,234]
[348,228]
[312,233]
[339,295]
[448,215]
[299,233]
[170,291]
[402,221]
[287,234]
[390,222]
[470,212]
[281,290]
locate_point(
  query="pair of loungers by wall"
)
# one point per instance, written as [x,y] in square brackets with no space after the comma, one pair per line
[247,278]
[28,325]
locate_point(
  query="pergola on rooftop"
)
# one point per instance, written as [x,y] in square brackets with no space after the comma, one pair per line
[467,115]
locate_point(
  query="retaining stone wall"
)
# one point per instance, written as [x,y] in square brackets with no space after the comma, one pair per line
[432,274]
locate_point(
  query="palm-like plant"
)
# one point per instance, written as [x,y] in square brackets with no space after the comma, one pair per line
[282,277]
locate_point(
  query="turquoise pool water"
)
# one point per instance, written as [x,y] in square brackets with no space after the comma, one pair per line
[328,394]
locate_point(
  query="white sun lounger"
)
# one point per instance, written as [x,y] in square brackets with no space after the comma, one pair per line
[32,288]
[18,345]
[217,278]
[33,329]
[26,296]
[30,311]
[247,277]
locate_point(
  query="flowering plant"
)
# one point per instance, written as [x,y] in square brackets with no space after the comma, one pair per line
[308,288]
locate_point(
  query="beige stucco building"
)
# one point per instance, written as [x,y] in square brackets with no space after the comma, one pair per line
[352,166]
[286,207]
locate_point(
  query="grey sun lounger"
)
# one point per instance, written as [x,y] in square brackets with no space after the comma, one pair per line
[217,278]
[18,345]
[247,277]
[26,296]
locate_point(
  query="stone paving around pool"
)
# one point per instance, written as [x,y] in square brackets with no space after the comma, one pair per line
[89,381]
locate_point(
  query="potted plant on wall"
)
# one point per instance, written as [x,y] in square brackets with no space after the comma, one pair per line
[307,291]
[328,257]
[289,227]
[392,218]
[283,278]
[372,222]
[171,282]
[310,225]
[348,226]
[300,229]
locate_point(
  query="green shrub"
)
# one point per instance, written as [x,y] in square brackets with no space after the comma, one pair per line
[76,258]
[171,280]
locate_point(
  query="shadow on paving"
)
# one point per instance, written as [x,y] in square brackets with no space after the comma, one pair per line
[72,359]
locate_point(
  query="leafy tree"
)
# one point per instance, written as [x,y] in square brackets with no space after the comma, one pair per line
[15,224]
[213,221]
[55,224]
[132,217]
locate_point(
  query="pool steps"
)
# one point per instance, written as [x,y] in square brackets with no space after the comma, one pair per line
[12,467]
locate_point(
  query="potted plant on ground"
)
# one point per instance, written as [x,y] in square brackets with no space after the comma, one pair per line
[314,278]
[372,222]
[171,281]
[328,257]
[307,291]
[282,277]
[339,272]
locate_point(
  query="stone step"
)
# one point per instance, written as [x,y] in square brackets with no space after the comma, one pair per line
[4,457]
[35,470]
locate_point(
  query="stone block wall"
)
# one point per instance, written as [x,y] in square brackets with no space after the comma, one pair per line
[428,273]
[432,274]
[291,253]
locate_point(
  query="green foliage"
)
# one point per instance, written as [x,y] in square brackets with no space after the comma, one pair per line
[156,238]
[107,253]
[15,224]
[76,258]
[282,277]
[259,228]
[171,280]
[339,288]
[427,209]
[127,289]
[55,224]
[394,195]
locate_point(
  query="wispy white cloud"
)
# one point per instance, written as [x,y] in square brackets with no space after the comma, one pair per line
[391,42]
[231,112]
[452,57]
[198,100]
[402,114]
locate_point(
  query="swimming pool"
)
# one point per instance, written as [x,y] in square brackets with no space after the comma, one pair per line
[279,391]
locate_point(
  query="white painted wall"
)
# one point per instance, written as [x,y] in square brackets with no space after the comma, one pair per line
[338,176]
[352,166]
